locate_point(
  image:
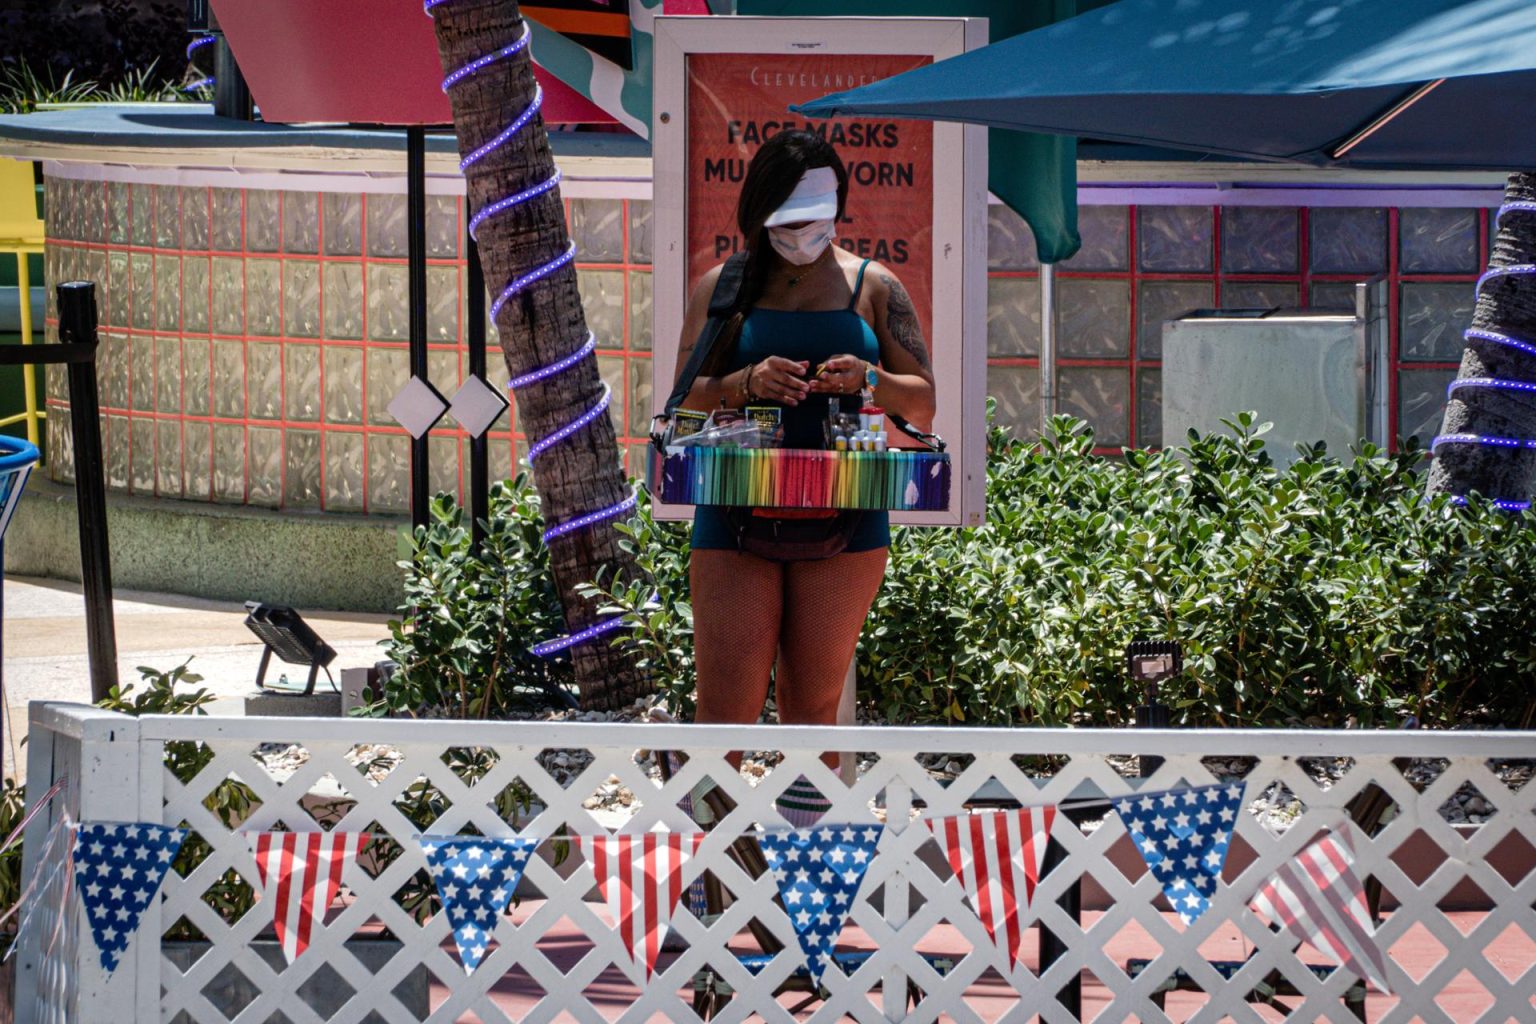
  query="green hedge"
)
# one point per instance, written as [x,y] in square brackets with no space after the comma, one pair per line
[1326,593]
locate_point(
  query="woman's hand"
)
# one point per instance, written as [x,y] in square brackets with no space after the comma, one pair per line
[780,380]
[840,375]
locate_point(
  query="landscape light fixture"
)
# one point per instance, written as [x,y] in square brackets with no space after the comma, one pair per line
[1149,662]
[286,634]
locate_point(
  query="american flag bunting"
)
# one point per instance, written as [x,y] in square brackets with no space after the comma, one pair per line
[300,876]
[118,869]
[997,855]
[475,877]
[818,871]
[1183,835]
[641,880]
[1319,899]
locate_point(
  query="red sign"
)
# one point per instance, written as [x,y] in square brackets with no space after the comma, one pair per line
[736,101]
[358,61]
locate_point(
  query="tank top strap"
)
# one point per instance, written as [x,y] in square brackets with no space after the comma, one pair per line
[858,285]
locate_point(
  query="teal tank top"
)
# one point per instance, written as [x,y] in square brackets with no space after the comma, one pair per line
[812,336]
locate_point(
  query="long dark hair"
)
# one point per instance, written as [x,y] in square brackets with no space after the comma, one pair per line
[772,175]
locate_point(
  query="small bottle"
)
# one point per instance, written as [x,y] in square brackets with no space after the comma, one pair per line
[840,442]
[880,441]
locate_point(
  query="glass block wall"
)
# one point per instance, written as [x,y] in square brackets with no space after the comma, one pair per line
[1141,265]
[252,339]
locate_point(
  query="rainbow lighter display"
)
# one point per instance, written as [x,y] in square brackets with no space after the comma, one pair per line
[805,478]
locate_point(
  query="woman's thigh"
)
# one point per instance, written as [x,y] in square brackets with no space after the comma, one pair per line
[825,604]
[738,601]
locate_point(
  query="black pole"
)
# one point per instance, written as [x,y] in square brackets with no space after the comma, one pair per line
[231,96]
[416,258]
[1052,946]
[77,326]
[479,446]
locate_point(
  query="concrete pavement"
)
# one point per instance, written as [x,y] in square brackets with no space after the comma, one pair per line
[45,651]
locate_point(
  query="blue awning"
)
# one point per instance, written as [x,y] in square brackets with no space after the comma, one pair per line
[1442,84]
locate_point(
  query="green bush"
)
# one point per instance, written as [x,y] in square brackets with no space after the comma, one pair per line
[1328,592]
[469,618]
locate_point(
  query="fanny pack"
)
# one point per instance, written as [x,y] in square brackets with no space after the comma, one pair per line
[792,534]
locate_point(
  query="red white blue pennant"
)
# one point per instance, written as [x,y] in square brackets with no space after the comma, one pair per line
[818,871]
[1319,899]
[998,856]
[475,877]
[301,873]
[641,879]
[1183,835]
[118,869]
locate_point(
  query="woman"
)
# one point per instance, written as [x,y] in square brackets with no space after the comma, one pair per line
[805,305]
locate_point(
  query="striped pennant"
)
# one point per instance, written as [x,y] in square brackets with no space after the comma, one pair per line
[641,879]
[300,875]
[997,855]
[1318,898]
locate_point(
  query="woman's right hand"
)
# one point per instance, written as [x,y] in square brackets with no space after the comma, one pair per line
[780,380]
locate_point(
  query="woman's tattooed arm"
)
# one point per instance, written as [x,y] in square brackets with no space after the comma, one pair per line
[901,322]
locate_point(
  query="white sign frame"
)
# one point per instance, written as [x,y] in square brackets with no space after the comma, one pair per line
[959,306]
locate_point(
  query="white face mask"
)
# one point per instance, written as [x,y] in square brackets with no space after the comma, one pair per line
[801,246]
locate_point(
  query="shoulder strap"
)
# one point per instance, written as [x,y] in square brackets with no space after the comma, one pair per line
[722,303]
[858,286]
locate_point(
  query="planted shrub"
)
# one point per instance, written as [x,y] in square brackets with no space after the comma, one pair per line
[469,617]
[1327,592]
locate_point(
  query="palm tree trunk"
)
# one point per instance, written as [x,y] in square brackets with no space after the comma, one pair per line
[541,324]
[1506,306]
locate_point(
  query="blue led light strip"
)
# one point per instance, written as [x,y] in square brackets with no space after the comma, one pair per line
[520,283]
[1503,504]
[1486,440]
[1502,339]
[199,43]
[1488,382]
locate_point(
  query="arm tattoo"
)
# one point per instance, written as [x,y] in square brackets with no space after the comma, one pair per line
[901,321]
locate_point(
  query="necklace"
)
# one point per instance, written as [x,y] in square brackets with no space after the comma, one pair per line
[795,279]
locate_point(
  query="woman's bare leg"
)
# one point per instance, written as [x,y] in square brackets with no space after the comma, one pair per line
[825,605]
[738,602]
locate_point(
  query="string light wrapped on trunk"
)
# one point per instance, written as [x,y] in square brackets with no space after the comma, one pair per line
[1495,383]
[518,284]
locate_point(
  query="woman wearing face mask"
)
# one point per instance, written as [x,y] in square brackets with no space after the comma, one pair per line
[805,304]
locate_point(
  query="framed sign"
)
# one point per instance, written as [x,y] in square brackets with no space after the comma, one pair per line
[917,191]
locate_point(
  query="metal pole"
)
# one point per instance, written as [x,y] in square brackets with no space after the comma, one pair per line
[479,445]
[231,96]
[1047,344]
[77,325]
[1052,946]
[416,259]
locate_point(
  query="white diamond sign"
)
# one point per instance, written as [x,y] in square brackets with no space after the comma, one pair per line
[417,407]
[476,405]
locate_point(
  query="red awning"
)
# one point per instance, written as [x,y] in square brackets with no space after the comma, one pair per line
[356,61]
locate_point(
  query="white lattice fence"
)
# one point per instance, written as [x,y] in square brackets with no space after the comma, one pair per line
[565,958]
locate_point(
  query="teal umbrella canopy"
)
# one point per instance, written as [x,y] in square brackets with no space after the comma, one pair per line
[1443,84]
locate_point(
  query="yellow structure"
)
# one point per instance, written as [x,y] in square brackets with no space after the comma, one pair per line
[21,233]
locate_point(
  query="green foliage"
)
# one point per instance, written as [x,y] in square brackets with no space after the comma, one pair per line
[23,89]
[657,604]
[13,797]
[468,619]
[1328,591]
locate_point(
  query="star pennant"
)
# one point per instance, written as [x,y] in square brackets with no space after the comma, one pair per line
[1319,899]
[818,871]
[300,875]
[1183,834]
[475,878]
[118,868]
[997,855]
[641,879]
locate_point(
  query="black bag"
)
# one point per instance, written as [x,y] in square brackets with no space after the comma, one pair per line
[779,535]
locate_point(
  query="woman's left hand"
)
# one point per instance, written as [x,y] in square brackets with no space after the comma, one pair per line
[840,375]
